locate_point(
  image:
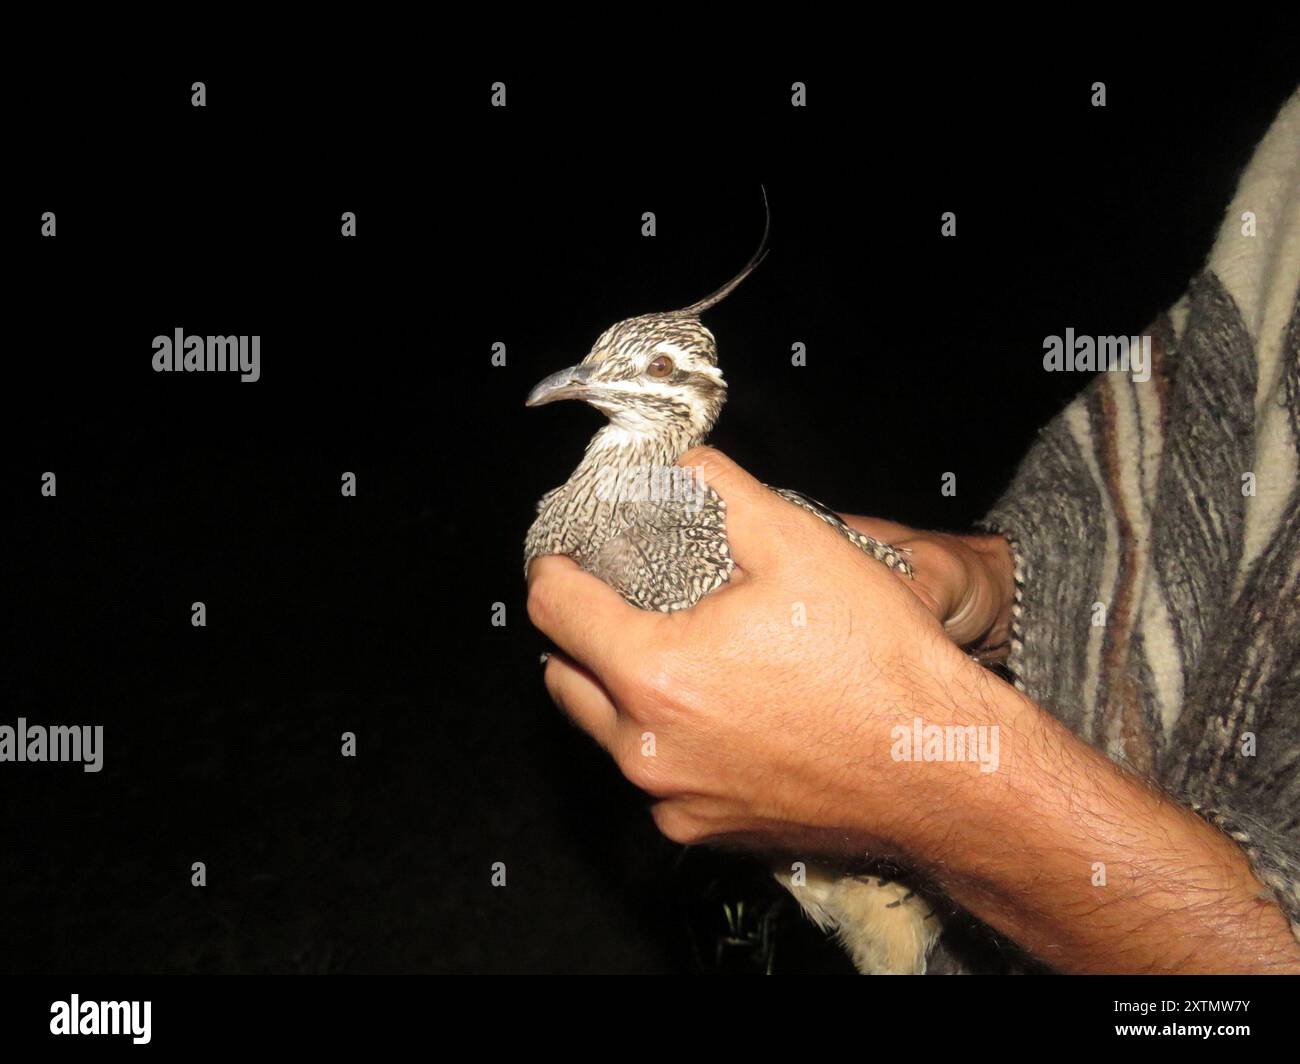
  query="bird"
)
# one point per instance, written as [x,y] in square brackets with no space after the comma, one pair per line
[629,516]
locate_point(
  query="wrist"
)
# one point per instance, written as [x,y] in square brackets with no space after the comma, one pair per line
[947,751]
[998,810]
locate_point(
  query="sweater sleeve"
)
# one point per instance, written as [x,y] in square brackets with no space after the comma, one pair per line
[1155,527]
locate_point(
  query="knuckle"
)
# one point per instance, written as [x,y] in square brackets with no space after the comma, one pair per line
[653,679]
[644,773]
[675,823]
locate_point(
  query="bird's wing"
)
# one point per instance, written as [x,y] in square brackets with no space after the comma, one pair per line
[668,555]
[541,503]
[894,557]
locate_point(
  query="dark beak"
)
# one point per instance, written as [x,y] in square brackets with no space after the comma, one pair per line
[567,384]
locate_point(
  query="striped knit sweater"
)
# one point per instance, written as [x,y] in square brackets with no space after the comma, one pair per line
[1156,533]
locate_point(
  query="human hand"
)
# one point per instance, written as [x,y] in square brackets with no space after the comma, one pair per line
[765,711]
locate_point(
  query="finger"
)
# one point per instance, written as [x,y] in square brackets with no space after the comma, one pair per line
[581,696]
[975,611]
[752,508]
[585,617]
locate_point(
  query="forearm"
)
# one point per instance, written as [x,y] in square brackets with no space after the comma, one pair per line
[1085,866]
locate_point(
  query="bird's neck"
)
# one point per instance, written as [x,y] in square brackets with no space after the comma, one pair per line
[619,448]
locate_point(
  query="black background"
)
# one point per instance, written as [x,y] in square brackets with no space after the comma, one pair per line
[372,614]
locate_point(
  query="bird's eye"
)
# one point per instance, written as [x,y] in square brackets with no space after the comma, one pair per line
[660,367]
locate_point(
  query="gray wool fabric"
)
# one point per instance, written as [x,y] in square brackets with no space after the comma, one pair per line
[1155,528]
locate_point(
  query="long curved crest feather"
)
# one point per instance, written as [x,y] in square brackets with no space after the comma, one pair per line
[696,309]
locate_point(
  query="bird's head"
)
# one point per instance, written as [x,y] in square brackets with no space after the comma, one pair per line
[650,375]
[653,375]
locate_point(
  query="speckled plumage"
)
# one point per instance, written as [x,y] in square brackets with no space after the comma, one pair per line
[661,549]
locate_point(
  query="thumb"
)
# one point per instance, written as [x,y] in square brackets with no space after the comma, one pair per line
[751,506]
